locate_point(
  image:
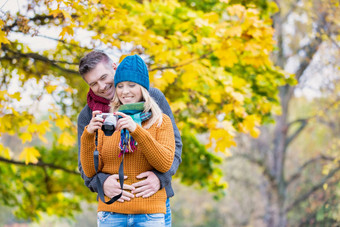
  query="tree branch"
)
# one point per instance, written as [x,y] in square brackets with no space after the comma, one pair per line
[312,47]
[260,163]
[186,63]
[36,18]
[38,57]
[316,187]
[39,164]
[304,122]
[297,131]
[297,174]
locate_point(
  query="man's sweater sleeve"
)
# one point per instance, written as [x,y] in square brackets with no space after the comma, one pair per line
[165,178]
[83,120]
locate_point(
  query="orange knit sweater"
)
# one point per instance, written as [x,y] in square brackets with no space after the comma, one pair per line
[155,150]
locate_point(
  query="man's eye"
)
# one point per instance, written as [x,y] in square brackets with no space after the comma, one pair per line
[119,86]
[132,85]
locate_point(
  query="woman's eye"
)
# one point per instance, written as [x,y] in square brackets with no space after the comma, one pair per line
[132,85]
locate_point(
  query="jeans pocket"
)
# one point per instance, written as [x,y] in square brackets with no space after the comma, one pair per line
[155,217]
[102,216]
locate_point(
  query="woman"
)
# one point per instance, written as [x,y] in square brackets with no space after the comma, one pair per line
[143,139]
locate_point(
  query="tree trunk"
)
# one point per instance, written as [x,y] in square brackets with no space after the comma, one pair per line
[277,201]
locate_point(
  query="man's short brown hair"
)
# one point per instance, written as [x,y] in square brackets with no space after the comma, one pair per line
[92,59]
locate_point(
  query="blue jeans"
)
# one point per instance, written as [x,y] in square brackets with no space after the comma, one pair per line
[108,219]
[168,214]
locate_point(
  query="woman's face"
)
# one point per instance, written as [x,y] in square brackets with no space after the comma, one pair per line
[129,92]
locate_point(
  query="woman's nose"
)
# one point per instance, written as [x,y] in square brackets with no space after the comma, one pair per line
[125,90]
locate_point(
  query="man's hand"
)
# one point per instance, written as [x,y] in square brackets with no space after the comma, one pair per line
[147,187]
[112,188]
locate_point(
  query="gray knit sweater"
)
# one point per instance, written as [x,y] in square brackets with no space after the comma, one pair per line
[164,178]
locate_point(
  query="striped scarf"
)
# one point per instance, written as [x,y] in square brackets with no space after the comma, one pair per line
[135,111]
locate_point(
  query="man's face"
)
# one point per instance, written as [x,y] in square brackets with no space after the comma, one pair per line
[100,80]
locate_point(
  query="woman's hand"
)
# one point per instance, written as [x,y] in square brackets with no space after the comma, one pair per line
[125,122]
[95,123]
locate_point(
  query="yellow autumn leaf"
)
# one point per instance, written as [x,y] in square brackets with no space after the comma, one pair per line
[251,121]
[223,139]
[29,155]
[25,137]
[239,111]
[31,128]
[227,57]
[326,169]
[44,127]
[66,30]
[3,38]
[16,96]
[50,88]
[227,108]
[325,186]
[169,76]
[189,77]
[66,139]
[4,152]
[255,132]
[55,12]
[65,14]
[265,107]
[239,83]
[196,122]
[69,90]
[63,122]
[216,95]
[179,105]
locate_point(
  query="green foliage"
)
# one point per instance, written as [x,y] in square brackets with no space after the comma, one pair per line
[200,167]
[46,187]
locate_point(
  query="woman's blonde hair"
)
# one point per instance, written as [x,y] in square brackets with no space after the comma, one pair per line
[149,105]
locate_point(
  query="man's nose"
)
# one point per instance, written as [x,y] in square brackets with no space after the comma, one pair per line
[101,85]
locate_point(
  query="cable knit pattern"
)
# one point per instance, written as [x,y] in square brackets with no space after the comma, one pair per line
[133,69]
[155,150]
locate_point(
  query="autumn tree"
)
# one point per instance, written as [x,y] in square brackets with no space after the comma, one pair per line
[294,191]
[212,61]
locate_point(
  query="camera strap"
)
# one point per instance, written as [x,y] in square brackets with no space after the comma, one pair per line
[99,186]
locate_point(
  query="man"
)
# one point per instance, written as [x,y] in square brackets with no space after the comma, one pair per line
[98,71]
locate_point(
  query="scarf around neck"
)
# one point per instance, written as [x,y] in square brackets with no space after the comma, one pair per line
[96,102]
[136,112]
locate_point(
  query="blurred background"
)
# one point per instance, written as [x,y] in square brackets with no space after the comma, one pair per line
[253,85]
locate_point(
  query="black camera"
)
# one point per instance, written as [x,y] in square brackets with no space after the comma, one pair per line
[109,124]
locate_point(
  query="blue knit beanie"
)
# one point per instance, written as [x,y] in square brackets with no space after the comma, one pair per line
[133,69]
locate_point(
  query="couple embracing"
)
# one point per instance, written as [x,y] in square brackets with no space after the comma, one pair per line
[131,169]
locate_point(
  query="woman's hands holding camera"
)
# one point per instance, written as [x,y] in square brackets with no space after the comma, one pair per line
[95,123]
[125,122]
